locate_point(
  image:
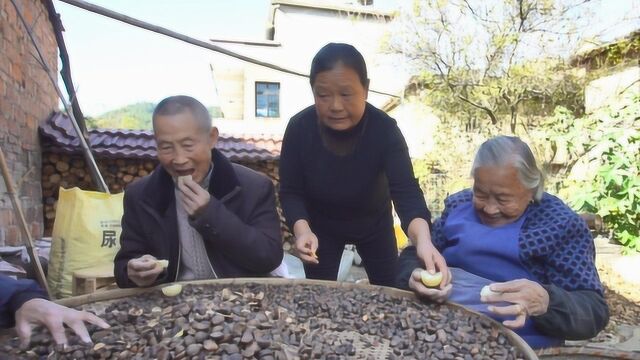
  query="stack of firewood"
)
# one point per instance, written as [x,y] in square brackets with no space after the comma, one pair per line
[67,171]
[270,168]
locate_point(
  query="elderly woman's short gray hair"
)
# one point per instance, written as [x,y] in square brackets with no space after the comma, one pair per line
[510,150]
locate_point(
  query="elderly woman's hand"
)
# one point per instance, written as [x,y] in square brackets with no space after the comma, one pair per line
[528,298]
[433,294]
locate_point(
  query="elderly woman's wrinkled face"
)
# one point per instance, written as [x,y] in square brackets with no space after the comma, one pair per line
[499,197]
[340,97]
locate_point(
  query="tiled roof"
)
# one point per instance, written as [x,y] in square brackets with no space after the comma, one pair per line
[58,135]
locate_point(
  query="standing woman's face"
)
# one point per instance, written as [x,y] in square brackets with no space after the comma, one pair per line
[340,97]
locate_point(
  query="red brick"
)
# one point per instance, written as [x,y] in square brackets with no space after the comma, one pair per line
[27,13]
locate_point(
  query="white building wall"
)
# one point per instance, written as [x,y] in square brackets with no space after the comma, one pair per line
[609,90]
[301,32]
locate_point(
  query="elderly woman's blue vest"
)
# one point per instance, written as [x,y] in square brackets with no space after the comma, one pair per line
[480,255]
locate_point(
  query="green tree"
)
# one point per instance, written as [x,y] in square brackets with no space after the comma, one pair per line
[603,165]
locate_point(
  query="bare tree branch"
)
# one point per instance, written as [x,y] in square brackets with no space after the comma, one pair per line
[489,112]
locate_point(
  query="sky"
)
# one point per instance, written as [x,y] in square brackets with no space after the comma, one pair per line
[114,64]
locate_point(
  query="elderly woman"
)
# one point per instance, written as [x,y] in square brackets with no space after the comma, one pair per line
[342,162]
[534,253]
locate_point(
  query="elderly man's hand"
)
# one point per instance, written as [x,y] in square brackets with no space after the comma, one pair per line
[54,317]
[528,298]
[432,294]
[144,271]
[194,198]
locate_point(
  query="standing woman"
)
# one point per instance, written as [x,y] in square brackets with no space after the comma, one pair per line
[342,162]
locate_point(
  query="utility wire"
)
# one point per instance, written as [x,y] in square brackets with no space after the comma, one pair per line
[193,41]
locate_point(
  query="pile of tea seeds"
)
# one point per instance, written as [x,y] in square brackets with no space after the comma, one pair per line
[267,321]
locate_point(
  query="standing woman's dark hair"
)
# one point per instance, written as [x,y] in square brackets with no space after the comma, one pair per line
[332,54]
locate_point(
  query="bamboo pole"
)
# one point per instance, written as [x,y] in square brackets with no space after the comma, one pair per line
[65,71]
[28,240]
[86,151]
[193,41]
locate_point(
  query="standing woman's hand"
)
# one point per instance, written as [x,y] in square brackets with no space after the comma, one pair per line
[433,261]
[306,246]
[438,295]
[306,243]
[427,253]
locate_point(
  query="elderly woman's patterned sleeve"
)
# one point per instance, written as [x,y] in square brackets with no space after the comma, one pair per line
[574,258]
[577,308]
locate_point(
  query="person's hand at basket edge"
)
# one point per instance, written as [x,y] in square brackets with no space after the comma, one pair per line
[527,298]
[438,295]
[144,271]
[40,311]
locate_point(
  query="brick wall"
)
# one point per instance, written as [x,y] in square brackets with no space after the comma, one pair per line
[26,98]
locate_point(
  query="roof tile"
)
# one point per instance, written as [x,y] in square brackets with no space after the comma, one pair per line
[59,136]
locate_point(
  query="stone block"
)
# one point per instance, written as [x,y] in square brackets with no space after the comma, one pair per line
[13,236]
[36,230]
[6,216]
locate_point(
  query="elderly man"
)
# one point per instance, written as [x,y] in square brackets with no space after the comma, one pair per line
[208,217]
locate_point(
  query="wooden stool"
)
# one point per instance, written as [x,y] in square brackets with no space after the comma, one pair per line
[88,280]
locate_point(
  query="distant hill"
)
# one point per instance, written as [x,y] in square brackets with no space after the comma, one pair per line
[134,116]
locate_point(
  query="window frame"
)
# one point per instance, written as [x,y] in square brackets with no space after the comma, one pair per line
[267,83]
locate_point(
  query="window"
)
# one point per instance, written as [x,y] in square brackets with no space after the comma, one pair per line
[267,99]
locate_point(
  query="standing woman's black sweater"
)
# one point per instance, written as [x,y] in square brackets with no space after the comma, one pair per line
[348,193]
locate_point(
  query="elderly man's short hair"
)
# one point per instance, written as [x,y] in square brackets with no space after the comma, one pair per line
[180,103]
[510,150]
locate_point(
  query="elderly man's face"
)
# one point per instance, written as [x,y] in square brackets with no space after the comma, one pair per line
[499,197]
[184,148]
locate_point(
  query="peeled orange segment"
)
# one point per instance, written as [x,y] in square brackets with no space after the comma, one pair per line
[429,279]
[172,290]
[163,263]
